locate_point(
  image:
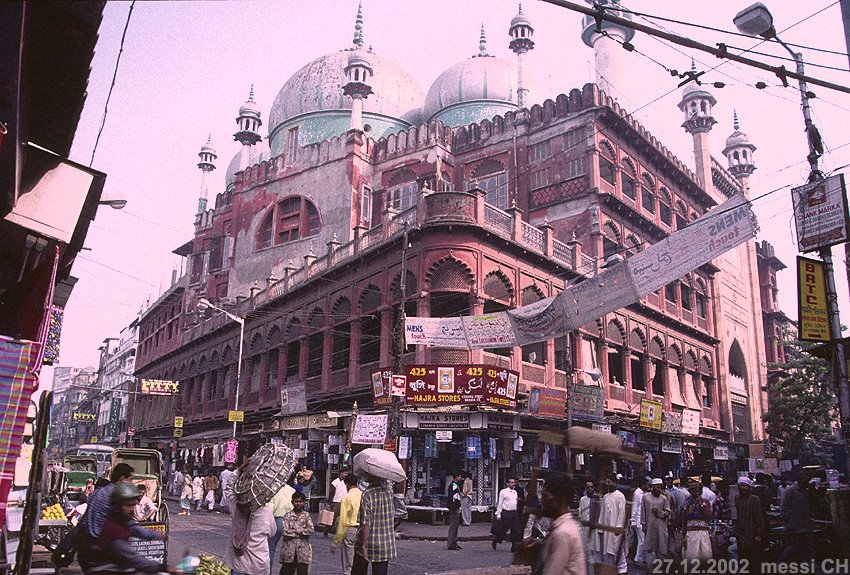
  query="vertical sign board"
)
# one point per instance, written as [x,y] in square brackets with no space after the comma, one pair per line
[650,414]
[811,300]
[820,211]
[293,398]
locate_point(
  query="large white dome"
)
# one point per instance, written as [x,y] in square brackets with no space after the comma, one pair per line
[479,80]
[317,87]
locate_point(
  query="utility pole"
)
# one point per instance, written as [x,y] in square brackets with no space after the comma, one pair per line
[398,356]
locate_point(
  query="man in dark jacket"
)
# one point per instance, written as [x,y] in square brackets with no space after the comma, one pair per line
[797,519]
[454,511]
[751,526]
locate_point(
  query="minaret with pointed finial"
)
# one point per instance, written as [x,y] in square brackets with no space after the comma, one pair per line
[206,165]
[357,74]
[249,123]
[521,42]
[696,105]
[482,45]
[606,39]
[739,153]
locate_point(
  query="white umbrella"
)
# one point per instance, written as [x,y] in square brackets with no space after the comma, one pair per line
[380,463]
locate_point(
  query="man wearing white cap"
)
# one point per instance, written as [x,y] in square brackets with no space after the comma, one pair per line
[751,525]
[655,512]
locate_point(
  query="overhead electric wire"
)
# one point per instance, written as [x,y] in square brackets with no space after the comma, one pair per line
[112,85]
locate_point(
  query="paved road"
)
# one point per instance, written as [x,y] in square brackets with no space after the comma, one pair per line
[203,533]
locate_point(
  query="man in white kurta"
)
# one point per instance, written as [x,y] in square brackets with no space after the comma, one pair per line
[655,513]
[636,520]
[588,511]
[614,515]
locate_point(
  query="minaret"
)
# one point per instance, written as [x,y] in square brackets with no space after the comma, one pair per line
[357,73]
[208,156]
[249,123]
[521,42]
[739,154]
[607,47]
[696,105]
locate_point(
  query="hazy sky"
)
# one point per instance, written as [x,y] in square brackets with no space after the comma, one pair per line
[187,67]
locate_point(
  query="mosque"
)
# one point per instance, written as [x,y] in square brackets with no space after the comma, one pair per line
[370,198]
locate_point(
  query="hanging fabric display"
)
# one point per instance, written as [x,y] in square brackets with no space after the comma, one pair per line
[544,461]
[473,447]
[518,443]
[430,446]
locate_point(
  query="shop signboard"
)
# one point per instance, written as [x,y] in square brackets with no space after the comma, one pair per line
[178,421]
[603,427]
[650,414]
[443,420]
[381,386]
[588,403]
[370,429]
[235,416]
[690,421]
[721,452]
[671,422]
[152,549]
[399,384]
[114,417]
[294,422]
[160,387]
[811,300]
[461,385]
[320,421]
[293,398]
[820,212]
[501,422]
[545,402]
[629,439]
[443,435]
[671,445]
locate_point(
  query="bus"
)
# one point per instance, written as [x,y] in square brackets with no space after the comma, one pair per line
[103,454]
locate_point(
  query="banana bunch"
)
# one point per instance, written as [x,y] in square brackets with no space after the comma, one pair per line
[211,566]
[53,513]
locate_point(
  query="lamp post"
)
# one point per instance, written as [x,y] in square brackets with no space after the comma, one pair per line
[203,304]
[756,20]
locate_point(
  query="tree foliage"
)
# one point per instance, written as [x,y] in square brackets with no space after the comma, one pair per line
[801,402]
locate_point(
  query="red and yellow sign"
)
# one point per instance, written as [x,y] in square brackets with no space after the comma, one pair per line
[812,311]
[160,387]
[650,414]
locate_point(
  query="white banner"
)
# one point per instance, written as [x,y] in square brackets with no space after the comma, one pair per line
[690,421]
[491,330]
[370,429]
[725,227]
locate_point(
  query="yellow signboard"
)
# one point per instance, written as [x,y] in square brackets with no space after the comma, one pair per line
[93,439]
[84,416]
[235,416]
[160,387]
[178,432]
[650,414]
[178,421]
[811,300]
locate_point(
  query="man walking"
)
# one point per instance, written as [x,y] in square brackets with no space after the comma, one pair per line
[466,499]
[224,479]
[613,515]
[750,526]
[655,513]
[797,519]
[588,512]
[454,511]
[346,530]
[507,514]
[635,521]
[696,520]
[376,537]
[563,549]
[338,491]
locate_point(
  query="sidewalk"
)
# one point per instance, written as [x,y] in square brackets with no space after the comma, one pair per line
[409,530]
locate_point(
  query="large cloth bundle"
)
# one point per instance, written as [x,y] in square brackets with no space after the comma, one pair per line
[591,441]
[380,463]
[270,467]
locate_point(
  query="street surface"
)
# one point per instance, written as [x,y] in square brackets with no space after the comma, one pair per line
[209,534]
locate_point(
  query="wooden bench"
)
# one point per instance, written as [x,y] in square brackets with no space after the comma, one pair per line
[432,512]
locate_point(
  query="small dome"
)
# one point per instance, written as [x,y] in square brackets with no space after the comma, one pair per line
[317,87]
[738,138]
[256,154]
[359,57]
[208,148]
[478,79]
[250,108]
[694,90]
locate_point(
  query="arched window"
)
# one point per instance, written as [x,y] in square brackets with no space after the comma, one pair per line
[701,299]
[636,360]
[370,325]
[610,240]
[293,348]
[656,362]
[665,203]
[315,342]
[491,177]
[534,352]
[647,196]
[627,180]
[681,215]
[297,218]
[498,294]
[402,197]
[615,335]
[341,320]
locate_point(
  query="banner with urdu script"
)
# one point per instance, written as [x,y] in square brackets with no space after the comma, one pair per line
[723,228]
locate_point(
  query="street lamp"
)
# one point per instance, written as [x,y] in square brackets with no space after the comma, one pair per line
[203,304]
[756,20]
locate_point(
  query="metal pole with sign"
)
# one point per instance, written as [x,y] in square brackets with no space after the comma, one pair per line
[204,303]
